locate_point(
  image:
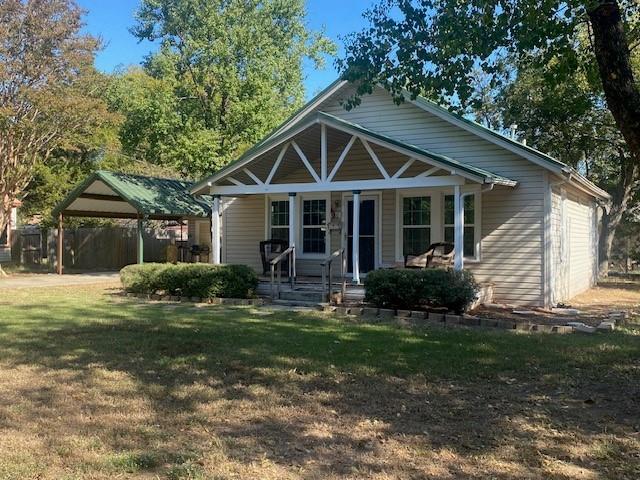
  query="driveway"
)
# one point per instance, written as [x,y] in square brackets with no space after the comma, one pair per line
[32,280]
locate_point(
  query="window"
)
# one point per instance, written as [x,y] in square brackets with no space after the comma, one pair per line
[314,219]
[469,223]
[416,225]
[280,220]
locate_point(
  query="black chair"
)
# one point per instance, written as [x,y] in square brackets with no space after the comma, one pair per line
[270,249]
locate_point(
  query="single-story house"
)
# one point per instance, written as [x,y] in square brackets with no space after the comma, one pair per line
[384,180]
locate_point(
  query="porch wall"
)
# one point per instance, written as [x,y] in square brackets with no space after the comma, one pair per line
[511,231]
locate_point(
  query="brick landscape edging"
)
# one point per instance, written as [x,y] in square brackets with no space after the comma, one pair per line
[254,302]
[415,318]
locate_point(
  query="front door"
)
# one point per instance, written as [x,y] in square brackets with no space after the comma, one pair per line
[367,235]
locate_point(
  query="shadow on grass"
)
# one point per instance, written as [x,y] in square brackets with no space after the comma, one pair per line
[458,390]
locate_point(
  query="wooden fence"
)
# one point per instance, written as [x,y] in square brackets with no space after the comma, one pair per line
[89,248]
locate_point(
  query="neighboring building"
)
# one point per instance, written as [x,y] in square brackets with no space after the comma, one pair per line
[518,218]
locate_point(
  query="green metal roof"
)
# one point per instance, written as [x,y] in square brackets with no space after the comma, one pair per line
[150,196]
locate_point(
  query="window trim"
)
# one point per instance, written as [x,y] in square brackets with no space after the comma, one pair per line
[267,211]
[375,195]
[300,233]
[403,226]
[476,231]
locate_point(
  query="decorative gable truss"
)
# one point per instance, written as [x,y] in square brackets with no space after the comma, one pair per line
[325,153]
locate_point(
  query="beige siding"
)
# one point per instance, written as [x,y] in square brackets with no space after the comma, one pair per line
[512,219]
[243,221]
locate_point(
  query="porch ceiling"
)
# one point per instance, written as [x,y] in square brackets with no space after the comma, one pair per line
[327,153]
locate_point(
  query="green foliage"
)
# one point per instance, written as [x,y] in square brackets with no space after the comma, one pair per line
[414,289]
[226,73]
[190,280]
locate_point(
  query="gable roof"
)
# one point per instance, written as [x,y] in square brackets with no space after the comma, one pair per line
[527,152]
[149,196]
[442,161]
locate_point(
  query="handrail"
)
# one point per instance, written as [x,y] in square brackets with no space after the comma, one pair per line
[327,277]
[289,253]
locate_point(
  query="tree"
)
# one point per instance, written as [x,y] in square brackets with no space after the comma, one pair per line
[434,47]
[49,90]
[439,48]
[570,122]
[226,73]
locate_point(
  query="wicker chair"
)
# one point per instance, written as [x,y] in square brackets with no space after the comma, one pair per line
[270,249]
[438,255]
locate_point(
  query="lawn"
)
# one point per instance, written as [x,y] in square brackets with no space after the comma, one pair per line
[94,385]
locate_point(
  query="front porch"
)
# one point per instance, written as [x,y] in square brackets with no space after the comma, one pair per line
[329,187]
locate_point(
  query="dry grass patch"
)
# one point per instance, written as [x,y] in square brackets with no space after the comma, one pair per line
[97,386]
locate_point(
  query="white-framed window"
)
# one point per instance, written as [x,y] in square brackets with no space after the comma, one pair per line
[416,225]
[314,221]
[469,244]
[279,220]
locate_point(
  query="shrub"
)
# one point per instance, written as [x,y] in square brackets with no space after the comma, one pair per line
[190,280]
[411,289]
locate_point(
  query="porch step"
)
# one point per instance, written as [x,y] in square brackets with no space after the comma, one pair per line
[298,303]
[303,295]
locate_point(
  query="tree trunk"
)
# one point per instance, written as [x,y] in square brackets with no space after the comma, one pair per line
[614,63]
[611,219]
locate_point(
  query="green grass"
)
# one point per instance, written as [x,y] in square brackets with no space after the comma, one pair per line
[177,391]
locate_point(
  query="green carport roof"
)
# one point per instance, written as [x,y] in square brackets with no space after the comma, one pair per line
[156,198]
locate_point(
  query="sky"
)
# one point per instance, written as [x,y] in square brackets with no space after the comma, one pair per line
[112,19]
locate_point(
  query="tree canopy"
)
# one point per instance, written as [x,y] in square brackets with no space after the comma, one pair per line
[226,73]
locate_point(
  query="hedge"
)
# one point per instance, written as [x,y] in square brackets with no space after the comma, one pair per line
[418,289]
[190,280]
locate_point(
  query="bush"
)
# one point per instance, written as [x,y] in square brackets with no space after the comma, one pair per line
[415,289]
[190,280]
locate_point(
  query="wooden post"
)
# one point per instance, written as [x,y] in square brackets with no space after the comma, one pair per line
[140,240]
[215,230]
[355,248]
[60,243]
[458,229]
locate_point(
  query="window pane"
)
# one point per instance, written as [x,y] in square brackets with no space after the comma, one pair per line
[314,212]
[280,234]
[280,212]
[416,211]
[313,240]
[448,209]
[469,210]
[449,234]
[469,242]
[415,241]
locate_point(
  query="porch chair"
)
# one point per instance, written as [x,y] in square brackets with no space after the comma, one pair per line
[438,255]
[270,249]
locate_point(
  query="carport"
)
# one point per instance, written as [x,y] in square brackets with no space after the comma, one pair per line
[107,194]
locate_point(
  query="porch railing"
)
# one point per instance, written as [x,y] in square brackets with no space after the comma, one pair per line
[327,277]
[290,254]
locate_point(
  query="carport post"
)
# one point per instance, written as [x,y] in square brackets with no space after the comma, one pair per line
[60,243]
[140,240]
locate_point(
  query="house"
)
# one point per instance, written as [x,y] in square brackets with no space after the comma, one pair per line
[385,180]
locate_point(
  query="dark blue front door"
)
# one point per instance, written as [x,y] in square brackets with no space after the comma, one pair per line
[367,235]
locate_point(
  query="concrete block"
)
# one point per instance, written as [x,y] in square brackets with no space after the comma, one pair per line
[562,329]
[175,298]
[606,326]
[370,311]
[419,315]
[166,298]
[436,317]
[493,323]
[470,320]
[523,327]
[540,327]
[452,319]
[403,313]
[343,311]
[185,299]
[356,311]
[386,313]
[581,327]
[155,297]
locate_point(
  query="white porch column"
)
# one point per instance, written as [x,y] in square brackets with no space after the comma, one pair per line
[215,230]
[293,230]
[458,229]
[355,251]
